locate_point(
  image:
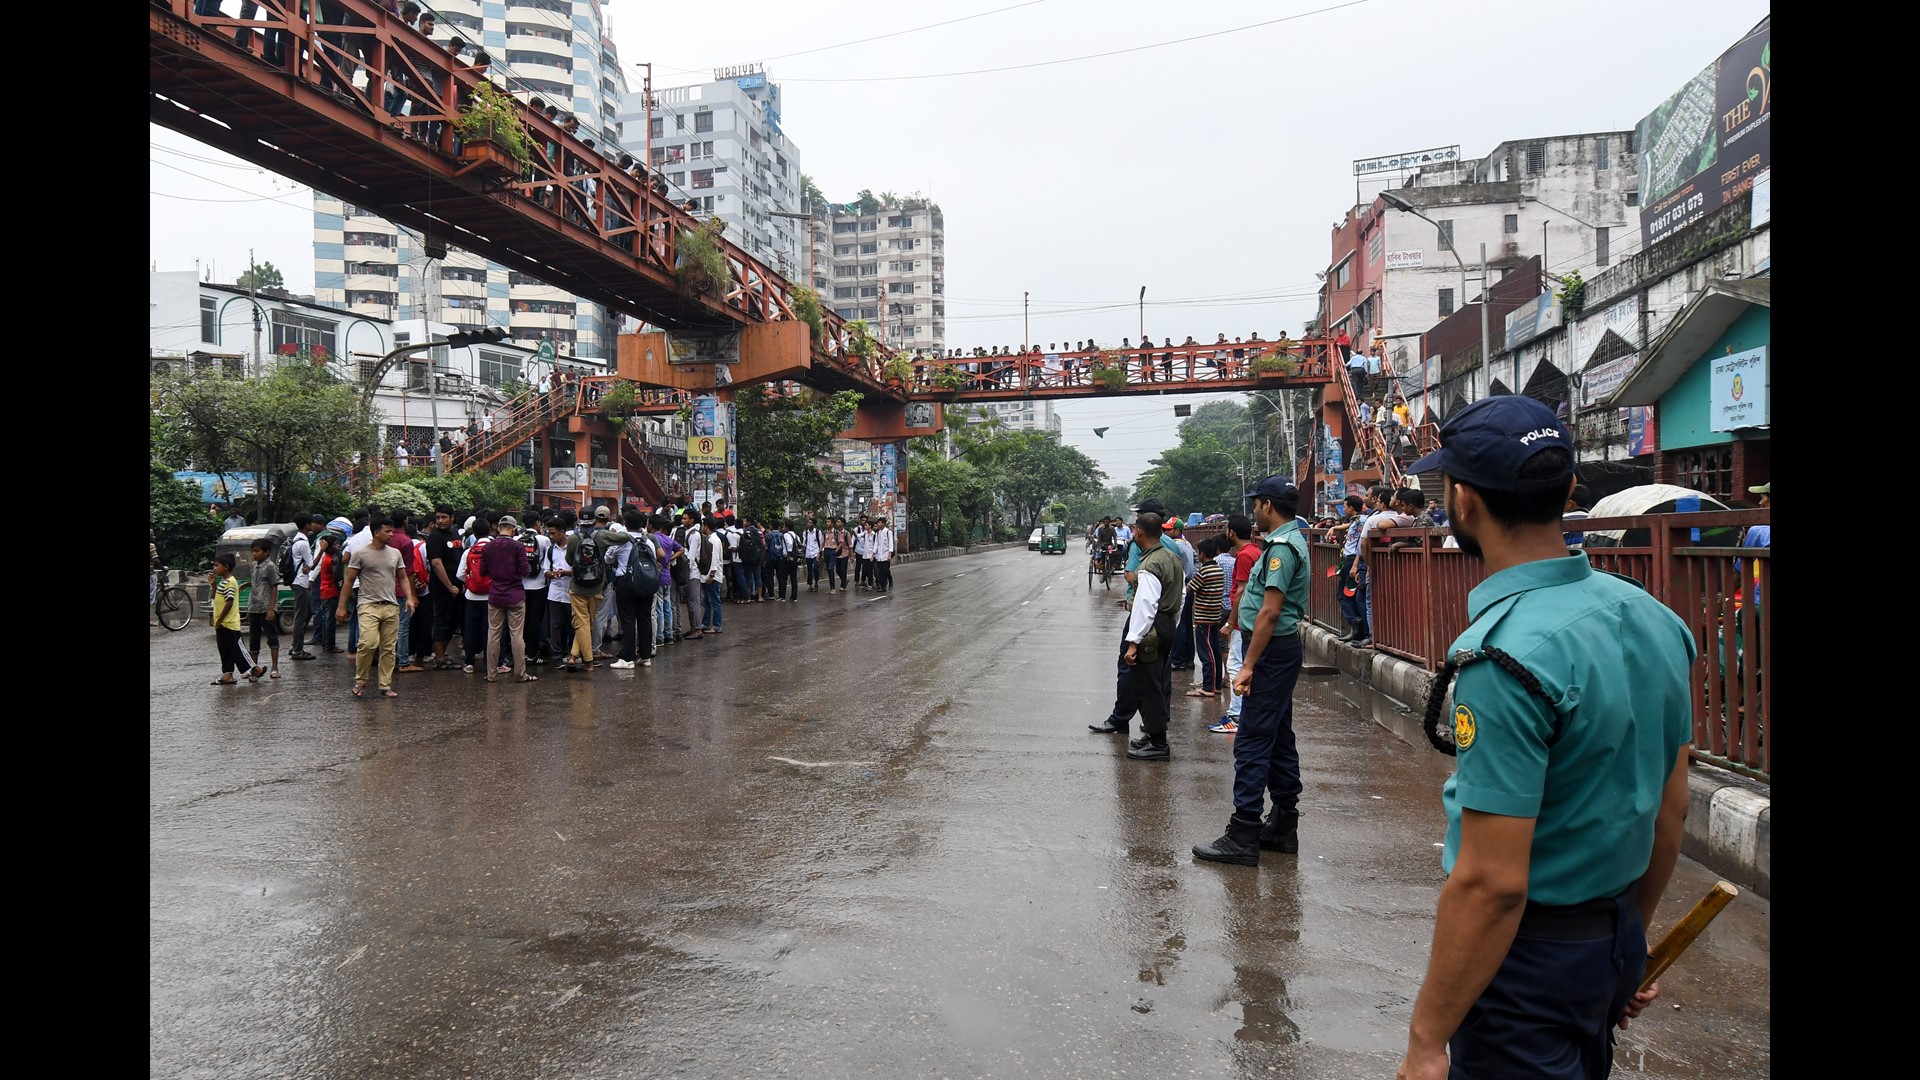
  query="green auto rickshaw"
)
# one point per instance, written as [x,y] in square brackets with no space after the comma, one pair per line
[1053,538]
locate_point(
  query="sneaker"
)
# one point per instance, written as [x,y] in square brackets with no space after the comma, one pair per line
[468,668]
[621,665]
[1225,727]
[646,663]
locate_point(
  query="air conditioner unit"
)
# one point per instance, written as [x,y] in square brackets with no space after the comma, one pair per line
[161,367]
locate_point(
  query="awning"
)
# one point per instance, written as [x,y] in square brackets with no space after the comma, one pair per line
[1682,344]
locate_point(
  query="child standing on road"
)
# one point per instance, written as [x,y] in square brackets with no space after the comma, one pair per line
[226,619]
[263,608]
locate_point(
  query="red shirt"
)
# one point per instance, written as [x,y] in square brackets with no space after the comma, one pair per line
[1243,561]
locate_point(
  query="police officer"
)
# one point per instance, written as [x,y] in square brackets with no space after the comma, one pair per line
[1265,760]
[1125,686]
[1570,728]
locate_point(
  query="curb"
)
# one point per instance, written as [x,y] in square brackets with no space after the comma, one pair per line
[1729,817]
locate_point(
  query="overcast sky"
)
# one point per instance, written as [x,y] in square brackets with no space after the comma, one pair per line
[1209,171]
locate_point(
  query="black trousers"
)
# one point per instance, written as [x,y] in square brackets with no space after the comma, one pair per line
[446,608]
[233,659]
[1131,686]
[787,583]
[635,611]
[882,574]
[302,615]
[259,623]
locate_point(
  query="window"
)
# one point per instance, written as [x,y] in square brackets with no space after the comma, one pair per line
[845,226]
[499,369]
[1602,243]
[843,271]
[702,178]
[301,333]
[1602,153]
[844,312]
[903,267]
[870,226]
[707,203]
[676,178]
[1536,159]
[463,273]
[209,330]
[869,249]
[1633,198]
[1513,223]
[869,269]
[843,249]
[869,291]
[1446,234]
[844,292]
[1343,273]
[1446,302]
[902,245]
[703,121]
[679,122]
[900,287]
[900,221]
[869,312]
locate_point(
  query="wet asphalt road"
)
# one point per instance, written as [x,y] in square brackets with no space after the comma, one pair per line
[850,837]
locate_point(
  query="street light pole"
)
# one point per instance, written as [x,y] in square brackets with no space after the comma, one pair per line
[1143,315]
[1398,203]
[1026,329]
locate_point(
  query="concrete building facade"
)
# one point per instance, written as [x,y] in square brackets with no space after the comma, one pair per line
[721,143]
[556,50]
[886,264]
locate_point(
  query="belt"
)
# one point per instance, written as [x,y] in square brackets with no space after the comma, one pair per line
[1570,922]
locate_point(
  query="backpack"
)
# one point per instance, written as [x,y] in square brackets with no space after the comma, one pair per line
[678,568]
[752,548]
[776,545]
[477,580]
[337,546]
[643,568]
[583,554]
[288,571]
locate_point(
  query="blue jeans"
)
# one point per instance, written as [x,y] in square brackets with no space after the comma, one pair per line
[713,608]
[353,621]
[1183,633]
[323,623]
[1206,653]
[1352,608]
[663,630]
[405,648]
[1265,759]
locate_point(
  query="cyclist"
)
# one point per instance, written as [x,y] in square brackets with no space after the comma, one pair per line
[153,568]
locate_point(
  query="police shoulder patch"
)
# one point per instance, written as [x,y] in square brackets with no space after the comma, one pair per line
[1273,563]
[1463,727]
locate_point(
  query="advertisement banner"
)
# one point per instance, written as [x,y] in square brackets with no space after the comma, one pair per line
[1737,391]
[1709,142]
[706,450]
[714,348]
[1602,380]
[1415,159]
[1533,318]
[888,461]
[705,415]
[856,461]
[1642,434]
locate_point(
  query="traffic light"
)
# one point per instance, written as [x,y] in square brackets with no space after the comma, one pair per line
[486,336]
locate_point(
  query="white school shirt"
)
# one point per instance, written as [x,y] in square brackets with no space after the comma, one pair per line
[793,544]
[813,543]
[536,583]
[302,555]
[860,542]
[733,543]
[883,545]
[558,589]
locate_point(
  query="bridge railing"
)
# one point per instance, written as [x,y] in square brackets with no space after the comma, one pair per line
[1690,562]
[1241,362]
[410,83]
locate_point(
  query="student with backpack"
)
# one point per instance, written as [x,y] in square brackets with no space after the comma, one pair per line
[687,577]
[585,580]
[633,564]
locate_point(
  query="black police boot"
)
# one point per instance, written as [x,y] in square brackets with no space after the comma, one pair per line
[1240,846]
[1108,727]
[1281,832]
[1146,748]
[1347,634]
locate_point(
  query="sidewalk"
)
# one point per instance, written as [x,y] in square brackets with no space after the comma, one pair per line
[1729,821]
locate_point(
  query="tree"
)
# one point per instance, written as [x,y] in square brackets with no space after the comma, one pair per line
[867,202]
[946,493]
[780,436]
[1090,507]
[811,192]
[298,419]
[263,276]
[182,528]
[1038,468]
[1203,473]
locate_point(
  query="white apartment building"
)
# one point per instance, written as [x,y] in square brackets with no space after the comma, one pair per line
[1573,199]
[556,50]
[885,262]
[1025,415]
[720,143]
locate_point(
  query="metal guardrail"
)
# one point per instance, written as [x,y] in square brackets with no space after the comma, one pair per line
[1690,562]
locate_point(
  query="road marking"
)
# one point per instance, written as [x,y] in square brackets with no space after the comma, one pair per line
[362,951]
[808,765]
[1024,603]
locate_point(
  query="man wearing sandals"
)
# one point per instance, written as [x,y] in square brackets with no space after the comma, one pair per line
[382,581]
[505,560]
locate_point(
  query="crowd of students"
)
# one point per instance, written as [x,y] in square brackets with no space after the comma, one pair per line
[528,589]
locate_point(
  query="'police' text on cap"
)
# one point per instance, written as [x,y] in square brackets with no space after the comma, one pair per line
[1487,443]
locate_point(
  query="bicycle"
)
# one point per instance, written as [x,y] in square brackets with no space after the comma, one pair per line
[1101,563]
[172,606]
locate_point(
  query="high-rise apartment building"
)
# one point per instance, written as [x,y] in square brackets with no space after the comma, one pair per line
[720,144]
[556,50]
[885,261]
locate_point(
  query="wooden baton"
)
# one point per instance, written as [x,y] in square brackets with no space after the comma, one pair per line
[1676,940]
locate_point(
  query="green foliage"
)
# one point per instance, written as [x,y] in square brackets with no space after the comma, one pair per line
[899,367]
[806,308]
[703,264]
[263,276]
[492,116]
[403,495]
[316,496]
[860,340]
[1056,512]
[183,529]
[1091,506]
[780,436]
[1108,378]
[949,377]
[810,191]
[868,204]
[298,419]
[618,402]
[1573,291]
[947,495]
[1275,364]
[1203,472]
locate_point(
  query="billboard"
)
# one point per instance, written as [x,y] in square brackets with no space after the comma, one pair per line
[711,348]
[1411,160]
[707,450]
[1709,142]
[856,461]
[1533,318]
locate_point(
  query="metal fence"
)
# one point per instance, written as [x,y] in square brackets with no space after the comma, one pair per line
[1690,562]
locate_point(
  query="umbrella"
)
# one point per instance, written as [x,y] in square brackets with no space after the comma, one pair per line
[1648,499]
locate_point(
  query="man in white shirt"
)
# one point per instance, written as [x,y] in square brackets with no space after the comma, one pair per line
[692,591]
[883,557]
[1158,592]
[1386,516]
[303,561]
[534,637]
[560,633]
[862,569]
[400,455]
[737,588]
[710,568]
[813,541]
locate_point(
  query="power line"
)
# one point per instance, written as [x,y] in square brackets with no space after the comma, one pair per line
[1089,56]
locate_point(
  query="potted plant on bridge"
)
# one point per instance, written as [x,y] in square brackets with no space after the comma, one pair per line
[491,132]
[806,308]
[1275,363]
[702,266]
[898,369]
[1109,372]
[949,380]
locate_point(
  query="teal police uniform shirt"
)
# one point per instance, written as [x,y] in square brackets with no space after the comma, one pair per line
[1615,662]
[1283,566]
